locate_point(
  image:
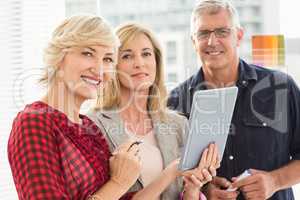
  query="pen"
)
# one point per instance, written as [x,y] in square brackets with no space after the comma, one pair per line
[135,143]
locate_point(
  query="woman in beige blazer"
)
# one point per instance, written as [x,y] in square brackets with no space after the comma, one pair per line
[134,107]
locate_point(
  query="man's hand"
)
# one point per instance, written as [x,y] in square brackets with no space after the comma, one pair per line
[216,190]
[260,185]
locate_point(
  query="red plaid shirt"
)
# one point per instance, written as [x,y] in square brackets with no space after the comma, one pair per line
[54,158]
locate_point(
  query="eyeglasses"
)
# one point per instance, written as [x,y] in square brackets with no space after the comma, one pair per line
[219,33]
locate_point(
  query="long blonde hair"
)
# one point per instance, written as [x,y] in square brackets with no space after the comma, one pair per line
[156,103]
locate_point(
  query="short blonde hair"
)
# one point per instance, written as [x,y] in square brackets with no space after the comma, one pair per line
[214,7]
[76,31]
[157,94]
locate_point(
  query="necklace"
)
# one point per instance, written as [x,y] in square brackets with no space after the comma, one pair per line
[140,127]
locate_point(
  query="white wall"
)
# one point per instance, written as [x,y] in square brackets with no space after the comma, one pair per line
[24,29]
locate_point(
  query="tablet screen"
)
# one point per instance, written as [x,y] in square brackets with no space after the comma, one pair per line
[210,121]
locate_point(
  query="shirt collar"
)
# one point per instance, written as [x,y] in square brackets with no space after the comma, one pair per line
[246,74]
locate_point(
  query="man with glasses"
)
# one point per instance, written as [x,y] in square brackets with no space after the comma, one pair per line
[265,129]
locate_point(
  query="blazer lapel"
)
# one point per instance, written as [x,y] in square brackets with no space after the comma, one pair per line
[114,128]
[115,131]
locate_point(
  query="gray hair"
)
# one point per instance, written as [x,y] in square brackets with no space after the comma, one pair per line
[213,7]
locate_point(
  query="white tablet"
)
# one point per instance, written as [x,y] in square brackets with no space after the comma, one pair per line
[210,121]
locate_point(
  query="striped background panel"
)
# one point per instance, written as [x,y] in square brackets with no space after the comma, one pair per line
[268,50]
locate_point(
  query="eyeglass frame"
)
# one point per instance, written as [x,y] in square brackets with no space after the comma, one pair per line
[207,33]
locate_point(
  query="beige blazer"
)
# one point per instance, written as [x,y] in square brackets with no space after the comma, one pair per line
[170,136]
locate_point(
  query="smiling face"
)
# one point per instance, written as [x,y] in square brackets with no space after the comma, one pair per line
[136,64]
[217,51]
[84,69]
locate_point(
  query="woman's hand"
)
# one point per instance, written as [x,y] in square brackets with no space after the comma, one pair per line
[172,169]
[192,185]
[125,169]
[125,166]
[194,179]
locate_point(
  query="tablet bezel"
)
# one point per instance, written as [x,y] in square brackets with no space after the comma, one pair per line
[198,142]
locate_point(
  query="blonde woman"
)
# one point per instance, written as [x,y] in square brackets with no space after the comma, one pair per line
[135,108]
[57,153]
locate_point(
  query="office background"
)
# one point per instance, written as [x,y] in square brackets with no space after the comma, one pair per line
[25,27]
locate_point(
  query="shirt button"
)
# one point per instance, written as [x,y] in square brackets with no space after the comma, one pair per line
[231,157]
[264,124]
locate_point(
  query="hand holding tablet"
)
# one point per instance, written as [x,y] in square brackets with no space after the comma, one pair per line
[205,170]
[209,122]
